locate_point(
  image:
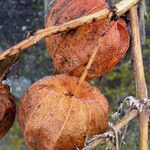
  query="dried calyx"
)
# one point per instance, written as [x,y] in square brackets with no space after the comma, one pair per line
[7,109]
[71,50]
[54,115]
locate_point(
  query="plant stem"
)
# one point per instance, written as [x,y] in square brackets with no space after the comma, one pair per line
[94,53]
[141,88]
[125,120]
[144,119]
[90,62]
[120,8]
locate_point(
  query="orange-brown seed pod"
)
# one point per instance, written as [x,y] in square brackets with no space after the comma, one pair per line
[71,50]
[7,110]
[57,114]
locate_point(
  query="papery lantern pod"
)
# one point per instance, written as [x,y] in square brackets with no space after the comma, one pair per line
[71,50]
[7,109]
[55,113]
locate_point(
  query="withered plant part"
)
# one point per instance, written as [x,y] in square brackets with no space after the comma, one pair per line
[71,50]
[120,8]
[54,115]
[141,87]
[7,110]
[142,105]
[101,138]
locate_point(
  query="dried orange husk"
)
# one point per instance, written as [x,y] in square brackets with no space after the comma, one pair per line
[57,114]
[71,50]
[7,110]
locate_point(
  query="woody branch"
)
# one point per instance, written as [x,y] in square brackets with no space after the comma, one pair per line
[120,8]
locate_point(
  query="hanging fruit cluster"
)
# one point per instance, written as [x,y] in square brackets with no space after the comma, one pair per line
[7,110]
[56,112]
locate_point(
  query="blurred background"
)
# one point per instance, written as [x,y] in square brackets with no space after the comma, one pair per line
[17,19]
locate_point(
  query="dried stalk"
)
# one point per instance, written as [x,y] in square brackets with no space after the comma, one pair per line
[120,8]
[141,88]
[94,53]
[91,60]
[125,120]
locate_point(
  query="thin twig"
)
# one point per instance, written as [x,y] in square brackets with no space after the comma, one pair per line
[116,133]
[94,53]
[125,120]
[141,88]
[123,135]
[120,8]
[91,60]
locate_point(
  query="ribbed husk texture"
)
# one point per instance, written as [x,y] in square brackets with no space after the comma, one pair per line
[57,114]
[7,110]
[71,50]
